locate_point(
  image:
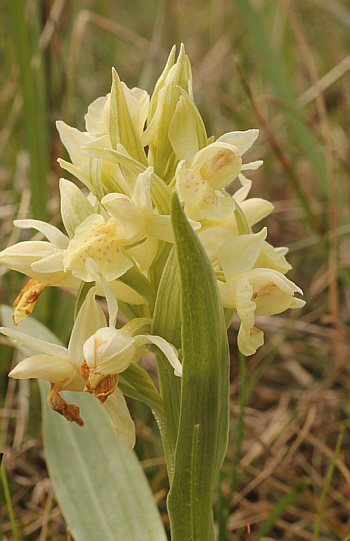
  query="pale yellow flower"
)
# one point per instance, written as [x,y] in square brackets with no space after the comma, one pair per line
[201,183]
[101,241]
[110,350]
[253,291]
[217,232]
[56,364]
[136,213]
[40,260]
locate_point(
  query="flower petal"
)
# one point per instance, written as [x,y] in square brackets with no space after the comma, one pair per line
[166,348]
[124,209]
[249,340]
[54,235]
[90,318]
[95,117]
[35,343]
[273,258]
[72,140]
[241,194]
[252,165]
[242,140]
[121,419]
[49,264]
[256,209]
[94,271]
[110,351]
[49,368]
[239,254]
[145,253]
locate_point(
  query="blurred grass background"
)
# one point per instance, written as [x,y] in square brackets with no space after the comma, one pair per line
[283,67]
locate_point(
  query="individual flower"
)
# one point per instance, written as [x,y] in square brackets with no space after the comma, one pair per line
[46,263]
[87,148]
[217,232]
[56,364]
[101,241]
[97,175]
[109,350]
[40,260]
[200,184]
[253,291]
[137,214]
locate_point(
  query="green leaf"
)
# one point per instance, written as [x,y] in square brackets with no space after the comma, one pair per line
[159,84]
[100,485]
[161,194]
[242,225]
[205,388]
[95,170]
[156,269]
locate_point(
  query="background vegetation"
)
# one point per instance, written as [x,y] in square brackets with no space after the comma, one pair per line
[277,65]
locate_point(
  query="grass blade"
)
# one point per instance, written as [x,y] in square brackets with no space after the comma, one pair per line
[34,109]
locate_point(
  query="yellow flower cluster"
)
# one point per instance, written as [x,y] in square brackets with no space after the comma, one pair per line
[136,151]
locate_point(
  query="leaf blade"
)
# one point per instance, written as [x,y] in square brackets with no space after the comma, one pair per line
[205,386]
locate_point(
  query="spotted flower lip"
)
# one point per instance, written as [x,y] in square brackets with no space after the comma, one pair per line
[253,291]
[101,241]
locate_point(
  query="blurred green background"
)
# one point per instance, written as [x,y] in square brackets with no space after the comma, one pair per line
[282,67]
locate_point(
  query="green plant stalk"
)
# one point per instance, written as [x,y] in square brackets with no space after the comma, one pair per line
[287,500]
[8,501]
[326,486]
[273,67]
[33,85]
